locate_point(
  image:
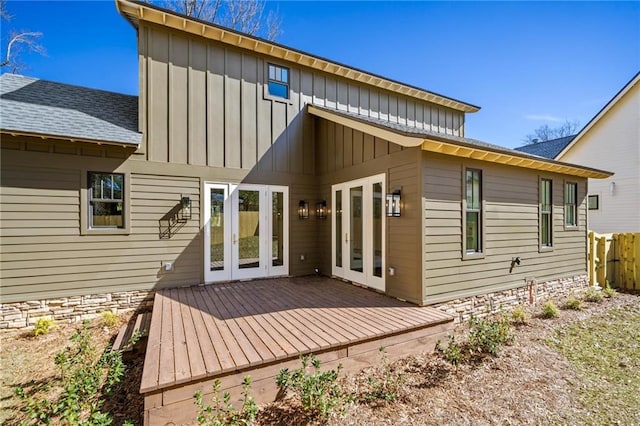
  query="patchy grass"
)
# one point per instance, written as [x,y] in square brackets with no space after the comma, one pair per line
[605,351]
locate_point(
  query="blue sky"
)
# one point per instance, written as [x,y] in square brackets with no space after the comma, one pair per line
[525,63]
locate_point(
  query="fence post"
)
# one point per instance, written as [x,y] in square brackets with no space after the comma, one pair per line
[635,258]
[601,271]
[592,263]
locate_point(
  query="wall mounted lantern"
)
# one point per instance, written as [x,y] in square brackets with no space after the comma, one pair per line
[612,188]
[321,210]
[185,208]
[303,209]
[393,203]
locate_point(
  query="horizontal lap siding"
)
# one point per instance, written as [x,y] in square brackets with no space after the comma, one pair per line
[511,229]
[44,255]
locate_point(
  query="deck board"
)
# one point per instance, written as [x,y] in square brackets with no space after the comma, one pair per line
[207,331]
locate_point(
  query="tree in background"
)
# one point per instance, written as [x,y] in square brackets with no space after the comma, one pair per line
[246,16]
[17,40]
[546,133]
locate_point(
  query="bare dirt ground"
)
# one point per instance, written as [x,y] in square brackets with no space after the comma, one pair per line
[527,383]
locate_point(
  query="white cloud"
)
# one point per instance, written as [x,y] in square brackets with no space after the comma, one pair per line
[544,117]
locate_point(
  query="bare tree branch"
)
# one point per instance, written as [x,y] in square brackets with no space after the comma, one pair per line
[16,41]
[242,15]
[546,133]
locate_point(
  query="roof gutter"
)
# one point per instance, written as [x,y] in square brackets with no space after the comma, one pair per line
[135,12]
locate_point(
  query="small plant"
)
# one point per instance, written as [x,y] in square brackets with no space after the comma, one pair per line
[609,292]
[43,326]
[452,353]
[318,391]
[223,412]
[572,304]
[593,296]
[549,310]
[519,315]
[110,318]
[387,388]
[487,336]
[85,375]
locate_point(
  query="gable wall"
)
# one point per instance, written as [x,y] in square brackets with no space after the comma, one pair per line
[511,229]
[613,144]
[203,103]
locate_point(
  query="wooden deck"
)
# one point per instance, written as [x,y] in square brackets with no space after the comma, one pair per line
[227,330]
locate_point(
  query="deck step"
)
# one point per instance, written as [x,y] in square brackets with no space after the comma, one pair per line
[139,324]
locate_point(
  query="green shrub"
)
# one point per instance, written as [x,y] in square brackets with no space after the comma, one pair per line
[572,304]
[519,315]
[85,375]
[550,310]
[318,391]
[487,336]
[43,326]
[453,353]
[387,388]
[110,318]
[593,296]
[609,292]
[223,412]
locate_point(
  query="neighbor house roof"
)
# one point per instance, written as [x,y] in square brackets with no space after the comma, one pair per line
[34,107]
[547,149]
[451,145]
[135,11]
[621,94]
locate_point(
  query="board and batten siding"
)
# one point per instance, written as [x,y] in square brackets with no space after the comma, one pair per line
[345,154]
[204,103]
[44,255]
[511,230]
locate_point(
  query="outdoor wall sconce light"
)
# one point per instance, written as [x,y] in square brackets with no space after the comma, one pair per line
[321,210]
[612,188]
[185,208]
[303,209]
[393,203]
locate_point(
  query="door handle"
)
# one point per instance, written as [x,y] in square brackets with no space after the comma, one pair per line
[346,238]
[234,238]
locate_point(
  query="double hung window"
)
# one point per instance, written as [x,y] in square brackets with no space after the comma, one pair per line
[473,212]
[106,200]
[546,211]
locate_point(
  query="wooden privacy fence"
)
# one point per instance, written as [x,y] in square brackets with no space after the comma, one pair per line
[615,258]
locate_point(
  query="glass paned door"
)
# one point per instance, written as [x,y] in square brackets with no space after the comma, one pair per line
[358,229]
[246,231]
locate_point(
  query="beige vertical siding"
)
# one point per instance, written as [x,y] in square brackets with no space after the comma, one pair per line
[206,105]
[511,229]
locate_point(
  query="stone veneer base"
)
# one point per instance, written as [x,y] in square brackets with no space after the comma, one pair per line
[532,292]
[72,309]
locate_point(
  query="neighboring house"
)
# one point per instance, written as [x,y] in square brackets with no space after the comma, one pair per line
[547,149]
[215,171]
[610,141]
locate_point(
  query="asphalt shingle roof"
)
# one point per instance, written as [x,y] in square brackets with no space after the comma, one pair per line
[547,149]
[36,106]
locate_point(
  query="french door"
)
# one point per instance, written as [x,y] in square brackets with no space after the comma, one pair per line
[246,231]
[358,231]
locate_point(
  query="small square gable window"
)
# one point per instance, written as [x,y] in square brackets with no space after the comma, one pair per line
[278,81]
